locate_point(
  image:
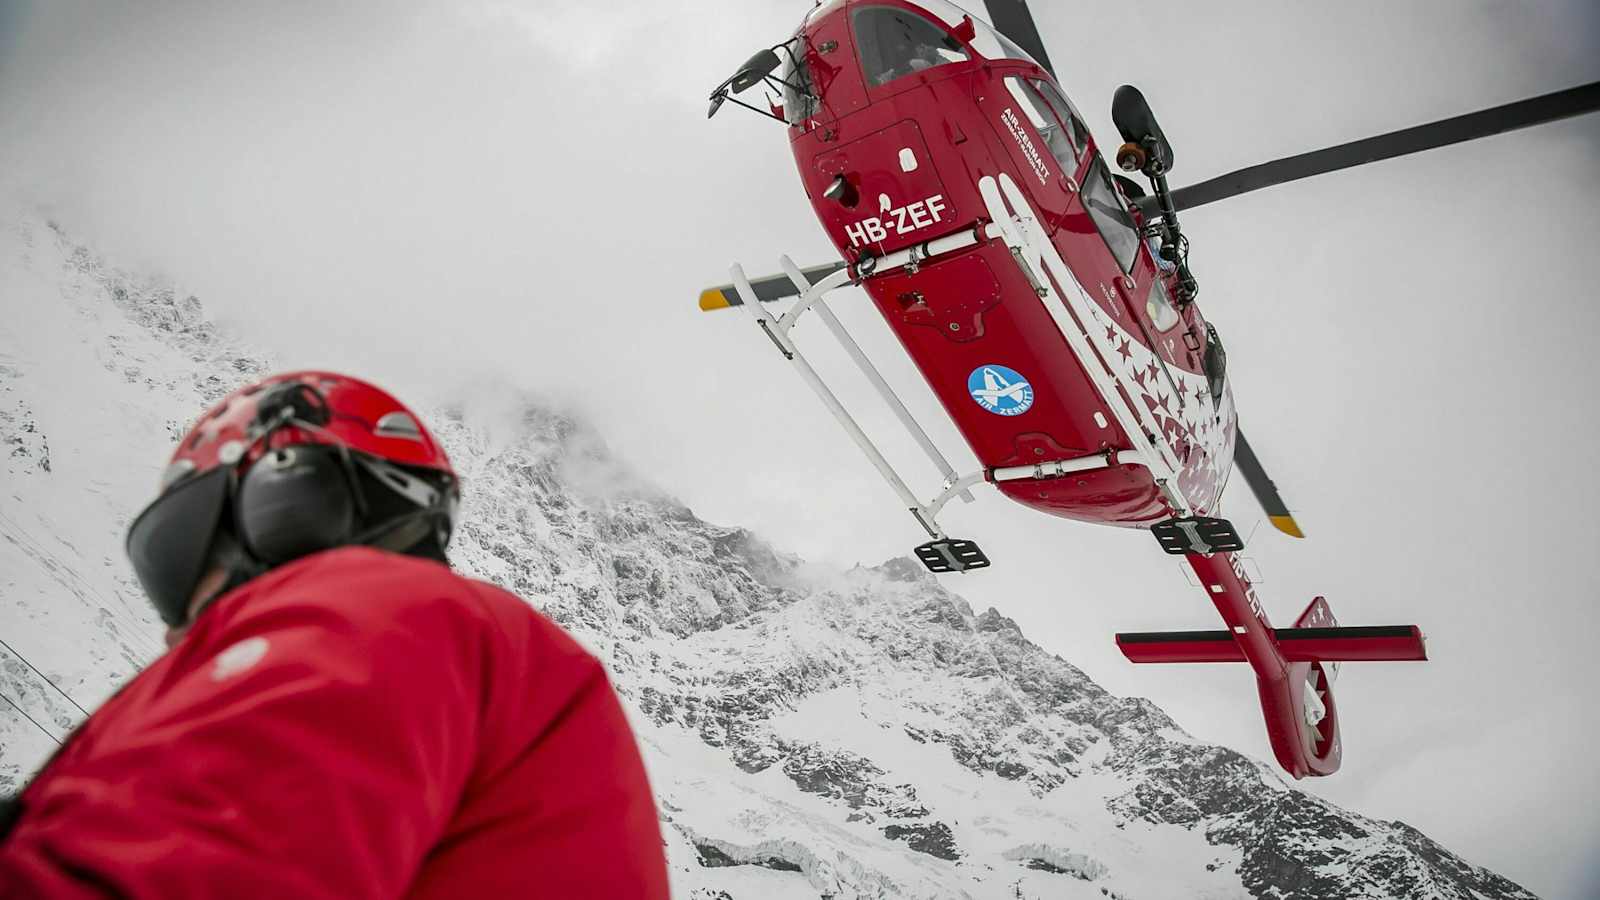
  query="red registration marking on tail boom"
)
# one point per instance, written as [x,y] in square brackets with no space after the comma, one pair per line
[1381,643]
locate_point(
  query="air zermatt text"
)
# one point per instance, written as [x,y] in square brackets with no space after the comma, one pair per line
[1026,144]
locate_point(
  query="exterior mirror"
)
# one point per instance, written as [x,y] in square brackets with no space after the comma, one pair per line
[756,68]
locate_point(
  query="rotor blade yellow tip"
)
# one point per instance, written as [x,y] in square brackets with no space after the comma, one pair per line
[713,298]
[1286,524]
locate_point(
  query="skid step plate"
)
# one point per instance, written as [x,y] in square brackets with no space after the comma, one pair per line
[1197,534]
[951,555]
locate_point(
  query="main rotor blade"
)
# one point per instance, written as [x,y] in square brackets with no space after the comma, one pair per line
[767,288]
[1244,459]
[1510,117]
[1012,19]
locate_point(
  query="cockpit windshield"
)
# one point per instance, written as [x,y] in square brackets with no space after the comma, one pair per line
[896,42]
[1012,50]
[799,93]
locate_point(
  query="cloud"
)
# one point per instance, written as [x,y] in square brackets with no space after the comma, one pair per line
[411,188]
[443,196]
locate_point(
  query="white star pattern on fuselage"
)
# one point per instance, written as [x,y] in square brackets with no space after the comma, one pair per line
[1195,421]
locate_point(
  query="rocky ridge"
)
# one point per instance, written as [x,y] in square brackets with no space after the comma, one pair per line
[810,733]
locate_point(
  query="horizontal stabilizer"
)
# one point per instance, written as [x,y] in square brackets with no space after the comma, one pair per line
[1373,643]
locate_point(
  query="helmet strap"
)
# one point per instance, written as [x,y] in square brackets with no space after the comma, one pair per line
[230,556]
[401,532]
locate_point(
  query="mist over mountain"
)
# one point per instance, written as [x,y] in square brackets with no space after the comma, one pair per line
[810,733]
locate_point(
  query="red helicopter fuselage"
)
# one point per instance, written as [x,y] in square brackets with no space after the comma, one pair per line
[912,138]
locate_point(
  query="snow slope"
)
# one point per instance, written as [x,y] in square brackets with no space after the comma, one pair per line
[810,733]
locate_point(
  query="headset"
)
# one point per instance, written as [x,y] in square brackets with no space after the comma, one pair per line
[299,499]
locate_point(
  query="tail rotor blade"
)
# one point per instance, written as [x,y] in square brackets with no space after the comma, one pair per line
[1244,459]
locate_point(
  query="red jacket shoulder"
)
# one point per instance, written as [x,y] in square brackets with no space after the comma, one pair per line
[362,593]
[450,740]
[522,623]
[362,584]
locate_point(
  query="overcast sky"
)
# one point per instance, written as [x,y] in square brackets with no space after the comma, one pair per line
[444,196]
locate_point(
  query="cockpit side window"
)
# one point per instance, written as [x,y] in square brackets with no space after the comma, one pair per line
[1063,110]
[1012,50]
[896,42]
[1110,216]
[1039,115]
[1158,306]
[799,93]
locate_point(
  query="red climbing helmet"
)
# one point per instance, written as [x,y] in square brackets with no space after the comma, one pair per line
[290,465]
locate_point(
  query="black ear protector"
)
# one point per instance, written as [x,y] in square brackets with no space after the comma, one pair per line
[300,499]
[296,501]
[303,498]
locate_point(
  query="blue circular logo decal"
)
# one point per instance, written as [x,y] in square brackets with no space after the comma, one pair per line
[1000,390]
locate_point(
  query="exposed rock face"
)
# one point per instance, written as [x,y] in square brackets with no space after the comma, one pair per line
[858,734]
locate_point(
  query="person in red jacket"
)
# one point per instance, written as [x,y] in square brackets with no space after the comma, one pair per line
[340,715]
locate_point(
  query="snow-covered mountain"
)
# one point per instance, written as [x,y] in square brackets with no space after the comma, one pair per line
[810,733]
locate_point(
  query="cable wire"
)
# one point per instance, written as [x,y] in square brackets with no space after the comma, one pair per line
[43,677]
[35,722]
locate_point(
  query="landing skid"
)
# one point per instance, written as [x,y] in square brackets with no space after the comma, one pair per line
[951,555]
[1197,534]
[955,555]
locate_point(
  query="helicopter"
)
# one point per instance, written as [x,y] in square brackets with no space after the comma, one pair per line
[1048,302]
